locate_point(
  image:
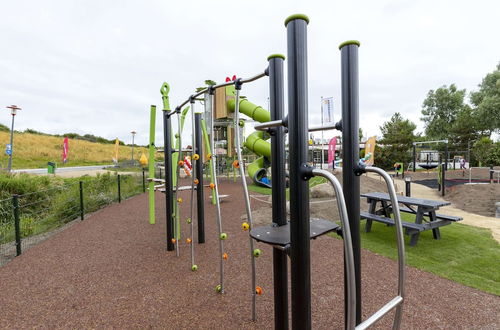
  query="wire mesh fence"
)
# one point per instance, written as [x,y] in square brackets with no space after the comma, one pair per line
[29,218]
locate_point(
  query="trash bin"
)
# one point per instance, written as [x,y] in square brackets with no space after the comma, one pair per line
[51,168]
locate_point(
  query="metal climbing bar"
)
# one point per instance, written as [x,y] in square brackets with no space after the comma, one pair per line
[270,124]
[193,178]
[177,199]
[221,237]
[337,126]
[245,194]
[348,255]
[396,302]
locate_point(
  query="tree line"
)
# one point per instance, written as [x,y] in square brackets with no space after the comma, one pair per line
[448,116]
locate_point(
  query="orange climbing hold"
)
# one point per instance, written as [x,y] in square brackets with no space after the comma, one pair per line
[173,240]
[181,163]
[179,200]
[236,164]
[211,185]
[196,156]
[188,240]
[258,290]
[196,181]
[225,256]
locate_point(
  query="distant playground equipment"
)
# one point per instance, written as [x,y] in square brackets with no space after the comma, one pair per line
[289,239]
[429,159]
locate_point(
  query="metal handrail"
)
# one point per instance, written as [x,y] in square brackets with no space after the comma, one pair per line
[348,253]
[269,124]
[225,84]
[398,301]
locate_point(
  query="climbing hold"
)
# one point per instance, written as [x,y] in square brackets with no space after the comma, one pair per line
[188,240]
[196,156]
[173,240]
[211,185]
[245,226]
[179,200]
[258,290]
[223,236]
[196,181]
[257,253]
[176,135]
[188,220]
[225,256]
[181,163]
[241,123]
[209,156]
[218,288]
[236,164]
[194,268]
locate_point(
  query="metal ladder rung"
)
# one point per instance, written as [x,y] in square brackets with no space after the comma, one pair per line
[380,313]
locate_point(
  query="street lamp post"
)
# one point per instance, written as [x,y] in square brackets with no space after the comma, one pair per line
[13,111]
[133,135]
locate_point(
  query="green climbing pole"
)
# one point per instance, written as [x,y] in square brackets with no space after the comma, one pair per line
[211,161]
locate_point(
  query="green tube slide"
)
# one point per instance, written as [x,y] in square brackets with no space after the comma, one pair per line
[256,142]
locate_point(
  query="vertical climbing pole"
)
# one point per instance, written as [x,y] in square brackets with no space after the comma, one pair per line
[350,155]
[167,149]
[199,175]
[194,179]
[280,259]
[215,187]
[245,192]
[179,164]
[296,26]
[151,170]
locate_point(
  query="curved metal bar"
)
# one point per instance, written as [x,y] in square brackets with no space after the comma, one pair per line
[348,254]
[217,200]
[193,177]
[256,77]
[247,197]
[396,302]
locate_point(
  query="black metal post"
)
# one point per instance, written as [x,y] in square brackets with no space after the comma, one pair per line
[119,189]
[17,225]
[296,26]
[350,142]
[446,156]
[491,174]
[160,172]
[443,178]
[408,186]
[169,194]
[280,268]
[82,210]
[414,158]
[200,199]
[143,181]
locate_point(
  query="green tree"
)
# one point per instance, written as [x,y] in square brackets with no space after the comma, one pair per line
[397,138]
[487,102]
[487,152]
[441,109]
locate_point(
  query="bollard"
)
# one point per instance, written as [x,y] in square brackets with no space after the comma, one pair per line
[143,182]
[119,192]
[443,179]
[82,213]
[17,226]
[408,186]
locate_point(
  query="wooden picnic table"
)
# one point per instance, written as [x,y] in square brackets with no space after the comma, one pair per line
[420,207]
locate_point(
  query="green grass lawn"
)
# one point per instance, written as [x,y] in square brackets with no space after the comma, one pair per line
[464,254]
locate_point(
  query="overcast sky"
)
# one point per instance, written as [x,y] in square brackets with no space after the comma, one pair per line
[96,66]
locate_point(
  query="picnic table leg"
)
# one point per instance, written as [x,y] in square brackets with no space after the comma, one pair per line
[386,210]
[418,219]
[372,208]
[435,232]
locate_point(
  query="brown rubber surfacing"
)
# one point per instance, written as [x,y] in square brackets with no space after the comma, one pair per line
[112,271]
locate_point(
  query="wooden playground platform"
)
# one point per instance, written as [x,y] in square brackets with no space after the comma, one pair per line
[112,271]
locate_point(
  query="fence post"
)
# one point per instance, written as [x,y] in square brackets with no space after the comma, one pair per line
[17,227]
[119,191]
[408,186]
[82,212]
[143,182]
[443,178]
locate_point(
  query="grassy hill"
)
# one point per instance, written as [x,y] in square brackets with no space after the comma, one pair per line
[35,150]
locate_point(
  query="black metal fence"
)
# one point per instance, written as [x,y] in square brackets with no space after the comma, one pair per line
[28,219]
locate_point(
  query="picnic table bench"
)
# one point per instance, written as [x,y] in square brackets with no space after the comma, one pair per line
[426,217]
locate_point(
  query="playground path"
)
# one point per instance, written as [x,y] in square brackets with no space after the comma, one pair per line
[112,271]
[421,191]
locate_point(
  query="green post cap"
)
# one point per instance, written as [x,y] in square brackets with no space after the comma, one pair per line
[296,16]
[349,42]
[165,89]
[276,56]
